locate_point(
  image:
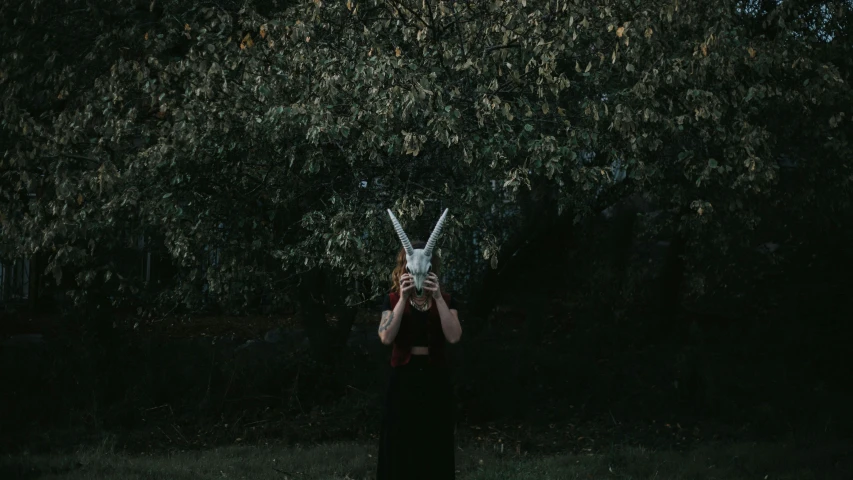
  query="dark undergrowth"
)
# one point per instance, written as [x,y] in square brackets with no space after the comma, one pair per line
[715,383]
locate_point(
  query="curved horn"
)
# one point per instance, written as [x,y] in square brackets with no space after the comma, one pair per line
[436,232]
[407,245]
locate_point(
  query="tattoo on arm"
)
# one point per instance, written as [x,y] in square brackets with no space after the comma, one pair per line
[387,318]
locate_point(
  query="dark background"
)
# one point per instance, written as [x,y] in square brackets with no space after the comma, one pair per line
[621,325]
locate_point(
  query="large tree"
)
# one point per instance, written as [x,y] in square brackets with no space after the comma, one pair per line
[258,146]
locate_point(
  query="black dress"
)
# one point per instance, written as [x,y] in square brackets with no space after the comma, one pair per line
[417,440]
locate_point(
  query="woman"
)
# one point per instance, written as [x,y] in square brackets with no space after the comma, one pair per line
[417,438]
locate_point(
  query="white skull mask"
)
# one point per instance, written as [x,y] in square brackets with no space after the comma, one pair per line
[418,261]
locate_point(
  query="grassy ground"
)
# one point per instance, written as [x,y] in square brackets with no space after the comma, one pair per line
[356,461]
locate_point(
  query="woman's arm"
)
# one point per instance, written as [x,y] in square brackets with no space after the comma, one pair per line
[389,325]
[449,321]
[449,318]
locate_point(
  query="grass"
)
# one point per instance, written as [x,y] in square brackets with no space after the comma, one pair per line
[356,461]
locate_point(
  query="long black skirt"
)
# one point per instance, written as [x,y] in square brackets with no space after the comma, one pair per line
[417,438]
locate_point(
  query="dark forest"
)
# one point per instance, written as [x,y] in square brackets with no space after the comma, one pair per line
[648,239]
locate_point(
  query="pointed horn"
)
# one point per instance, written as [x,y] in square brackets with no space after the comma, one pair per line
[407,245]
[436,232]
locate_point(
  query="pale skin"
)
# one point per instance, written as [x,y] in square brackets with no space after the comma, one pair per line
[389,324]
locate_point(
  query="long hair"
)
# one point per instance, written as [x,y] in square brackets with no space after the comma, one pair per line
[400,268]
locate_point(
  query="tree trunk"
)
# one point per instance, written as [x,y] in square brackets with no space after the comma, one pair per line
[337,290]
[623,241]
[35,279]
[313,313]
[319,294]
[671,285]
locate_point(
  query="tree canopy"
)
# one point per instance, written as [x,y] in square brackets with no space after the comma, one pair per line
[275,134]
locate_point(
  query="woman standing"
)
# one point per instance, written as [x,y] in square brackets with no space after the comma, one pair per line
[418,319]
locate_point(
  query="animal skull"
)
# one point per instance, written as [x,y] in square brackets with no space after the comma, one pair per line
[418,262]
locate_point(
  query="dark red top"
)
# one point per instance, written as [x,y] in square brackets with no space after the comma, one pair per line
[417,328]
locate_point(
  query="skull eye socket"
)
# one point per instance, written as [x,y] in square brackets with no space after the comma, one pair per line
[408,270]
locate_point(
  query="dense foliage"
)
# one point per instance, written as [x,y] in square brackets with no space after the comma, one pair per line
[249,144]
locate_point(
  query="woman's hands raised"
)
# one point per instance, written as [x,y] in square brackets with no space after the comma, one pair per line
[431,285]
[407,286]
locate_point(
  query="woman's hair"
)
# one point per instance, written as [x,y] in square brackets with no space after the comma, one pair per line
[400,268]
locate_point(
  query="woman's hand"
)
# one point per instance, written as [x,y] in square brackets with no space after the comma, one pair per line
[407,286]
[431,285]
